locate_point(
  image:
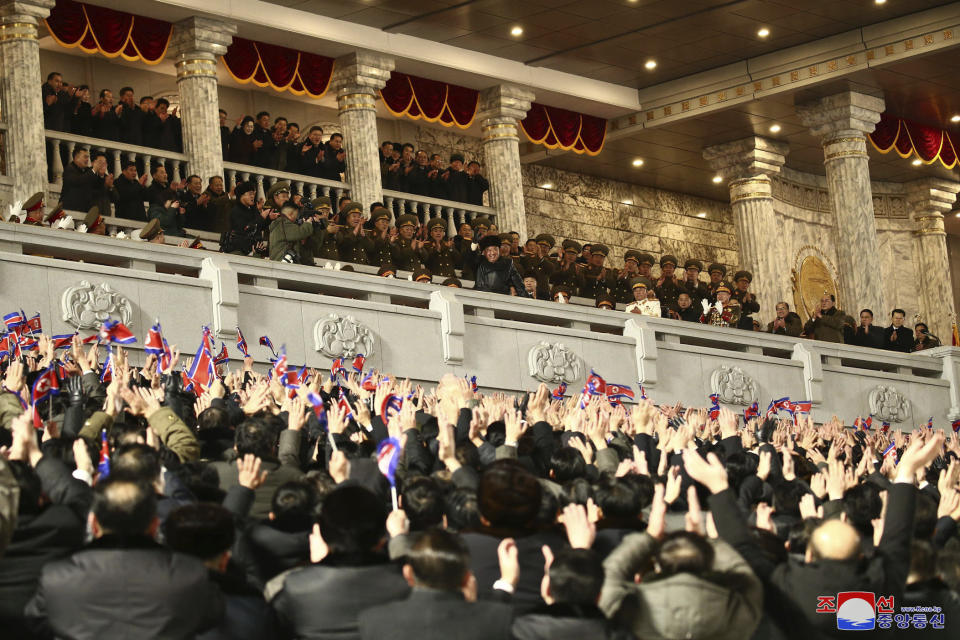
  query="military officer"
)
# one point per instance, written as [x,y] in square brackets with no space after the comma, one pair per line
[606,301]
[668,286]
[644,265]
[621,289]
[568,271]
[352,243]
[642,303]
[422,274]
[541,264]
[596,278]
[379,254]
[34,209]
[717,274]
[691,283]
[438,254]
[406,249]
[324,245]
[748,301]
[725,312]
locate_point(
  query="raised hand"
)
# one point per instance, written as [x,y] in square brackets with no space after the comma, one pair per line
[249,474]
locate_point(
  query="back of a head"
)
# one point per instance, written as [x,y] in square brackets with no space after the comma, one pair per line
[203,530]
[684,552]
[862,504]
[293,505]
[925,516]
[786,498]
[617,499]
[462,510]
[124,507]
[213,418]
[423,503]
[834,540]
[576,577]
[509,495]
[137,462]
[352,520]
[439,559]
[257,437]
[567,463]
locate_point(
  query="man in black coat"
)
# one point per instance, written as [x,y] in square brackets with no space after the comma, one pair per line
[51,523]
[350,571]
[491,272]
[455,179]
[57,102]
[898,337]
[443,601]
[124,584]
[83,185]
[334,158]
[833,561]
[129,194]
[476,184]
[868,334]
[131,118]
[247,224]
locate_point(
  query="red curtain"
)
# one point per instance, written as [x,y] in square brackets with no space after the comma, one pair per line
[431,100]
[907,138]
[283,69]
[557,128]
[111,33]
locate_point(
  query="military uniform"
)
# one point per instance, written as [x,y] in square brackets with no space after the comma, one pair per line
[621,289]
[727,315]
[403,255]
[711,286]
[596,280]
[748,302]
[379,253]
[696,290]
[568,275]
[323,245]
[443,261]
[541,268]
[669,290]
[644,306]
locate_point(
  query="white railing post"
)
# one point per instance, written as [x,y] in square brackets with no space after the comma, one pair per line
[451,227]
[147,161]
[231,177]
[176,172]
[56,163]
[116,161]
[260,194]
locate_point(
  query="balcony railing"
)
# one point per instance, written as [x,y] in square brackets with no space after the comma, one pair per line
[455,213]
[307,186]
[61,145]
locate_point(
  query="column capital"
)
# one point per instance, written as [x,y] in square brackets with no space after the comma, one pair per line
[20,10]
[504,101]
[847,113]
[196,36]
[361,72]
[747,157]
[932,195]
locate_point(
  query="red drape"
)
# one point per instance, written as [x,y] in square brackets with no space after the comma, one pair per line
[557,128]
[907,138]
[112,33]
[283,69]
[431,100]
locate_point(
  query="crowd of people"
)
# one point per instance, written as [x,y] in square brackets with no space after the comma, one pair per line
[143,501]
[261,141]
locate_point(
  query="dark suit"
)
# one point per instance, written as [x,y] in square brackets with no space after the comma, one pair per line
[873,338]
[82,188]
[428,614]
[128,197]
[902,341]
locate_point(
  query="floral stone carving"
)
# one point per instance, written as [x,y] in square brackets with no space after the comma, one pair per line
[553,363]
[88,305]
[337,336]
[888,404]
[733,386]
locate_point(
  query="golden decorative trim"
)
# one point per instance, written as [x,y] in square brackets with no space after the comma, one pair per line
[17,25]
[210,73]
[18,36]
[750,196]
[928,232]
[840,140]
[845,154]
[212,63]
[358,96]
[501,125]
[746,181]
[922,218]
[501,136]
[357,105]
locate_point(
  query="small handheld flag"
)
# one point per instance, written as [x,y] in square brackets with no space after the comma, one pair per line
[265,341]
[714,406]
[473,384]
[595,385]
[930,423]
[106,374]
[116,331]
[643,393]
[242,344]
[956,426]
[103,466]
[558,393]
[337,369]
[884,426]
[618,392]
[33,325]
[751,412]
[891,450]
[358,361]
[154,342]
[223,357]
[388,454]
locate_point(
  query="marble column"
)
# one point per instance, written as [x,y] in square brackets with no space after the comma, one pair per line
[500,110]
[747,165]
[196,45]
[357,79]
[20,84]
[842,121]
[930,199]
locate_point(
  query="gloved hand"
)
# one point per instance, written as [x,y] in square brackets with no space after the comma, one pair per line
[74,388]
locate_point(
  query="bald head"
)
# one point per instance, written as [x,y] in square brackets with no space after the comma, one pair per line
[833,540]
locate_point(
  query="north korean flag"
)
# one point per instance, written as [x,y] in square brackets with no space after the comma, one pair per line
[106,373]
[33,325]
[595,385]
[154,342]
[317,402]
[223,357]
[714,406]
[803,406]
[265,341]
[337,368]
[891,450]
[390,406]
[344,406]
[201,374]
[280,365]
[559,392]
[368,383]
[62,341]
[619,391]
[14,320]
[44,386]
[359,361]
[116,331]
[242,344]
[956,426]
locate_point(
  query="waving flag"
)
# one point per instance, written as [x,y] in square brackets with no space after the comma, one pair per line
[390,406]
[265,341]
[358,361]
[103,465]
[559,392]
[884,426]
[153,344]
[643,393]
[317,402]
[714,410]
[280,365]
[242,344]
[5,346]
[891,450]
[801,406]
[223,357]
[595,385]
[106,373]
[14,320]
[751,412]
[62,341]
[33,325]
[343,405]
[388,454]
[868,423]
[27,343]
[956,426]
[618,392]
[584,401]
[202,374]
[337,369]
[368,383]
[165,358]
[930,423]
[116,331]
[858,424]
[44,386]
[473,384]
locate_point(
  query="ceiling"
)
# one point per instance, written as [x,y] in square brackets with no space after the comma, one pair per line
[611,40]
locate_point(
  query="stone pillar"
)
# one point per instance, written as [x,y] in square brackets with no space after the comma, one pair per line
[841,122]
[500,110]
[20,85]
[195,46]
[748,164]
[357,79]
[930,199]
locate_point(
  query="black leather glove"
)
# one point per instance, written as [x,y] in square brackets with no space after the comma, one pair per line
[74,388]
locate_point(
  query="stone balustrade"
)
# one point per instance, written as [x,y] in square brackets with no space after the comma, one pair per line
[424,331]
[60,146]
[309,186]
[425,208]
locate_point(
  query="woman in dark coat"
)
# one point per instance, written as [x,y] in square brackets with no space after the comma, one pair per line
[241,142]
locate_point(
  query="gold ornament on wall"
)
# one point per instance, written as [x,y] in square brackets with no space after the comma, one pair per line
[813,277]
